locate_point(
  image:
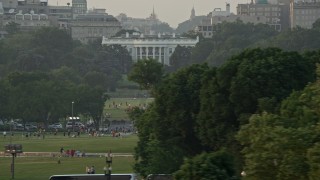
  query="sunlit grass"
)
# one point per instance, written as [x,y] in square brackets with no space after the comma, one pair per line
[41,168]
[36,168]
[85,143]
[117,106]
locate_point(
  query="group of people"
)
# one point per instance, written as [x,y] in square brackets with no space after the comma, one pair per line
[71,153]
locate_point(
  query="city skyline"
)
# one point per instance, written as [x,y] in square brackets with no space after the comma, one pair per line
[171,12]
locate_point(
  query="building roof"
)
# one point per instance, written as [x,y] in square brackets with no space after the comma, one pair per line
[79,1]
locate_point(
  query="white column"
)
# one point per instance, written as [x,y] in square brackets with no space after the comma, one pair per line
[140,52]
[147,52]
[160,48]
[136,55]
[165,54]
[153,52]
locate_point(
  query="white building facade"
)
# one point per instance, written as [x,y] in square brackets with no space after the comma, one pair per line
[304,13]
[159,47]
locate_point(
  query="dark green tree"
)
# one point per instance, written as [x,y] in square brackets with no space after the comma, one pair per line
[12,28]
[201,51]
[4,100]
[166,130]
[162,27]
[256,80]
[35,97]
[181,57]
[286,142]
[147,73]
[216,165]
[316,24]
[90,101]
[96,79]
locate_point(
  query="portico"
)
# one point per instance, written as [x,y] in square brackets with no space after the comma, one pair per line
[159,47]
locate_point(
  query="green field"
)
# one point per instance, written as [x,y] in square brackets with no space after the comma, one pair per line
[37,168]
[42,168]
[117,107]
[52,143]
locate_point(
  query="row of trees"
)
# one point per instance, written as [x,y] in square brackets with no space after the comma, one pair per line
[198,111]
[42,72]
[230,39]
[44,97]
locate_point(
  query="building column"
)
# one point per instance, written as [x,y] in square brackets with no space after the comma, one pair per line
[165,54]
[136,55]
[147,52]
[153,52]
[160,48]
[140,52]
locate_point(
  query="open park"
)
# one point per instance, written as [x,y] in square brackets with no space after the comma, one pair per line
[41,155]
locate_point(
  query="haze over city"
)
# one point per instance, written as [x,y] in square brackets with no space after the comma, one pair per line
[170,11]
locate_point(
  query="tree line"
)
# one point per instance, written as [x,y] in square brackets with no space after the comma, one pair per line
[257,113]
[42,72]
[230,39]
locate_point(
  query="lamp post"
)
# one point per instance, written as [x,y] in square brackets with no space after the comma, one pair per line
[72,116]
[13,149]
[108,163]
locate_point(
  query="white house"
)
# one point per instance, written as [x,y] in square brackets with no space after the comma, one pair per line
[158,47]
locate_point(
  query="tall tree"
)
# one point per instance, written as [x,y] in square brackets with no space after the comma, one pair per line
[181,57]
[166,130]
[233,92]
[216,165]
[285,142]
[147,73]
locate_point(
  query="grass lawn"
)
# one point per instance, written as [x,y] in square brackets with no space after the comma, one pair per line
[41,168]
[116,107]
[52,143]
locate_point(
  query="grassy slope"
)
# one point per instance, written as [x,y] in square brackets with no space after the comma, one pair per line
[117,106]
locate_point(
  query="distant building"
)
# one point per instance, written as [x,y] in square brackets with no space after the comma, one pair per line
[193,14]
[207,24]
[143,25]
[219,12]
[60,16]
[277,13]
[29,14]
[158,47]
[93,25]
[79,7]
[304,13]
[83,25]
[31,21]
[203,24]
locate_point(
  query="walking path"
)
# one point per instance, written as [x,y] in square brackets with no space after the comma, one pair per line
[53,154]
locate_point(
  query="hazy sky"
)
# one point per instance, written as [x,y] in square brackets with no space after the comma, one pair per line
[170,11]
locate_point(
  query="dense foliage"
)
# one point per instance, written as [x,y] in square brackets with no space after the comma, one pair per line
[286,142]
[216,165]
[229,39]
[201,108]
[44,71]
